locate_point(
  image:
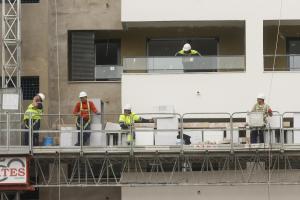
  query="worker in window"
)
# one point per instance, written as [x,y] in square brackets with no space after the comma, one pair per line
[189,61]
[83,110]
[32,119]
[187,51]
[126,121]
[257,136]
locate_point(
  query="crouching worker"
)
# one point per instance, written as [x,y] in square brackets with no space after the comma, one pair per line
[32,118]
[127,120]
[83,110]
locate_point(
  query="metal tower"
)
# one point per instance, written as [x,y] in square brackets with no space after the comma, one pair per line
[11,44]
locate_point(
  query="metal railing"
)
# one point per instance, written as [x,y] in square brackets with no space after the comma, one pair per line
[184,64]
[289,62]
[166,132]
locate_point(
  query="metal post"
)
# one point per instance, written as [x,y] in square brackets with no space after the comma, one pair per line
[7,131]
[30,134]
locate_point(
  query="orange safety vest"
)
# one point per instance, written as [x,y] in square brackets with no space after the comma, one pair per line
[85,110]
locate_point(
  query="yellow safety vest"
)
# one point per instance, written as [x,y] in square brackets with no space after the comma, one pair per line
[129,119]
[34,112]
[192,53]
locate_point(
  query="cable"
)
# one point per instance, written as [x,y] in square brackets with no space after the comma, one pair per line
[269,98]
[58,89]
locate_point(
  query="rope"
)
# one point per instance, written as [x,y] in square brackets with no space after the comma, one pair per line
[269,99]
[58,90]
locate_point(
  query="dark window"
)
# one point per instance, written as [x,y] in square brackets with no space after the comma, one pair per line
[170,46]
[108,52]
[30,86]
[293,51]
[93,60]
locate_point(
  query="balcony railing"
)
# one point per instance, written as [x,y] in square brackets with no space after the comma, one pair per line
[289,62]
[184,64]
[214,131]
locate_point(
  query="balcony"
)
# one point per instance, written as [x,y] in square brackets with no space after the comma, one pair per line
[282,62]
[235,63]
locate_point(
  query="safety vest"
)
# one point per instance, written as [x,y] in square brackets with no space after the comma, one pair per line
[191,53]
[34,112]
[88,110]
[129,119]
[264,108]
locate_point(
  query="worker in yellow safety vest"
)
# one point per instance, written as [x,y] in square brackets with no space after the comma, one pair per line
[32,118]
[187,51]
[127,120]
[83,110]
[257,136]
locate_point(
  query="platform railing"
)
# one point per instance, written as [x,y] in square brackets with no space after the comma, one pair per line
[164,132]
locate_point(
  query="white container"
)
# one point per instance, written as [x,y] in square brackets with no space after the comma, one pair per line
[68,136]
[256,119]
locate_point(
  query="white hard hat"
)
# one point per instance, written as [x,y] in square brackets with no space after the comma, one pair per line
[127,107]
[82,94]
[261,96]
[42,96]
[186,47]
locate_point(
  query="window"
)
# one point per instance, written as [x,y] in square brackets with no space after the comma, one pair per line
[93,60]
[30,86]
[108,52]
[293,51]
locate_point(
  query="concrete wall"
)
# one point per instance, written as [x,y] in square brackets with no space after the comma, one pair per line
[79,15]
[201,10]
[245,192]
[79,193]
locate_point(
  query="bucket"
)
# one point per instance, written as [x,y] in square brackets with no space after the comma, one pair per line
[48,141]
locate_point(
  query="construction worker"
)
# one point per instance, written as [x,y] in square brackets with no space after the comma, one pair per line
[189,62]
[187,51]
[83,110]
[127,120]
[32,118]
[257,136]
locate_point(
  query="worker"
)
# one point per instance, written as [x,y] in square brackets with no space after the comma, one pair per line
[127,120]
[189,61]
[257,136]
[187,51]
[83,110]
[32,118]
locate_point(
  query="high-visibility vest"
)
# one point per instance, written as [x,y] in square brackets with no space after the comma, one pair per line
[191,53]
[89,113]
[34,112]
[129,119]
[264,108]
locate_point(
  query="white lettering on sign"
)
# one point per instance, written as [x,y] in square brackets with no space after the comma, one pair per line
[13,170]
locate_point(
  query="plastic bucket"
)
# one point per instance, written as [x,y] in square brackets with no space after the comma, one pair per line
[48,141]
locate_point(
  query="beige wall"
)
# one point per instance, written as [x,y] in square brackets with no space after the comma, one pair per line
[80,193]
[80,15]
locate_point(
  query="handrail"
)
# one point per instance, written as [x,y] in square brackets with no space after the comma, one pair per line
[105,133]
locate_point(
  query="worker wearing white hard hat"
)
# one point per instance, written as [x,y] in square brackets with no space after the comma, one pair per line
[260,106]
[126,121]
[187,51]
[82,110]
[33,113]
